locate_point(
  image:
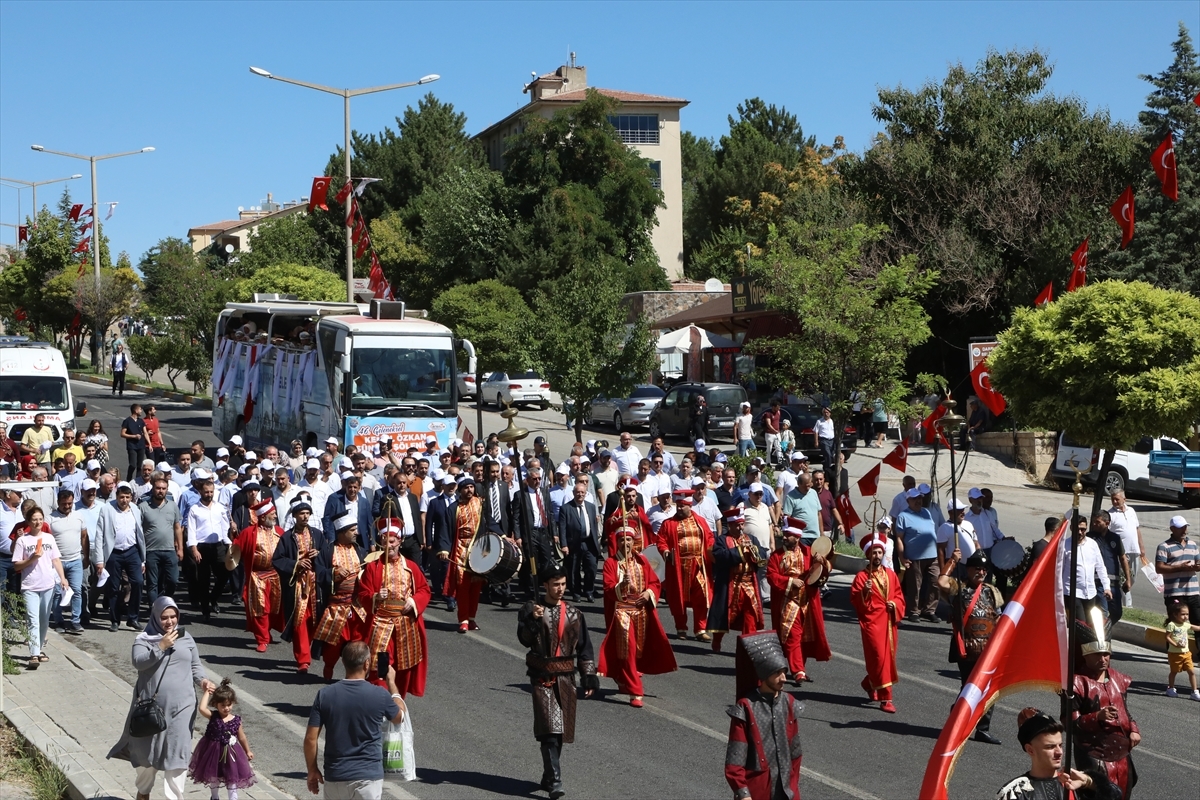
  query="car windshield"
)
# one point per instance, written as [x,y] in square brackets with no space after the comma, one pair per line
[725,397]
[33,391]
[647,391]
[398,375]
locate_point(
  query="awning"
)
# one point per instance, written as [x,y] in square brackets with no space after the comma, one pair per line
[680,341]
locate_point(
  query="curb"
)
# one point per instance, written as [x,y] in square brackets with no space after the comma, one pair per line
[180,397]
[1147,636]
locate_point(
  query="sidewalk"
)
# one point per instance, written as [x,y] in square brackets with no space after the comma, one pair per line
[72,709]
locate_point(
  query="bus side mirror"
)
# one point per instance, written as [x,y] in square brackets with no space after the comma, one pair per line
[81,410]
[343,362]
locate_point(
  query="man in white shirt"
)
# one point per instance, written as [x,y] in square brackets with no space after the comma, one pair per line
[662,512]
[319,490]
[684,479]
[1124,522]
[606,473]
[1089,569]
[900,501]
[141,482]
[785,479]
[627,456]
[967,543]
[182,473]
[119,550]
[704,506]
[207,543]
[284,492]
[760,525]
[984,523]
[71,536]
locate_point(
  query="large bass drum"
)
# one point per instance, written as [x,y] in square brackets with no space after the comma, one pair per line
[1007,557]
[495,558]
[657,562]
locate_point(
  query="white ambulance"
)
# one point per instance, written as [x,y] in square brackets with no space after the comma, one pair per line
[33,380]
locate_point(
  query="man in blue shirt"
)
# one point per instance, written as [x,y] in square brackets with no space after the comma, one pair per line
[917,532]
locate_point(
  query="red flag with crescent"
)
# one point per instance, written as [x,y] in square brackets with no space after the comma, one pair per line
[364,243]
[981,380]
[85,227]
[74,213]
[850,517]
[1122,212]
[319,193]
[1046,297]
[1079,267]
[868,485]
[88,212]
[928,429]
[343,193]
[898,458]
[22,233]
[1027,651]
[83,245]
[1164,166]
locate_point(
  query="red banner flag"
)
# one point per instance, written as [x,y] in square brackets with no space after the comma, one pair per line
[981,380]
[868,485]
[1196,99]
[898,458]
[360,228]
[1027,651]
[22,233]
[1079,267]
[251,384]
[83,245]
[318,195]
[364,243]
[343,193]
[1122,212]
[850,517]
[85,227]
[76,324]
[88,212]
[19,313]
[74,214]
[1164,166]
[927,428]
[1046,297]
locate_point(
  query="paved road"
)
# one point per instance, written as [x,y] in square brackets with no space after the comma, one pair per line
[473,725]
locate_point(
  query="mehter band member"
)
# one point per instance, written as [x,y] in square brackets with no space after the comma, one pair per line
[261,592]
[686,544]
[737,563]
[975,608]
[295,562]
[394,593]
[796,611]
[1104,733]
[342,617]
[879,601]
[1041,736]
[461,584]
[557,638]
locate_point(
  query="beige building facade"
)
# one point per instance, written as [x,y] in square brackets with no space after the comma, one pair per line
[236,233]
[648,124]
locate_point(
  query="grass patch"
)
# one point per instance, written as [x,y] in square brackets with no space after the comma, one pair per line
[14,628]
[847,549]
[24,765]
[1141,617]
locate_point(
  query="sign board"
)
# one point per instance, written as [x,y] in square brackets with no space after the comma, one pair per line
[366,432]
[747,295]
[979,351]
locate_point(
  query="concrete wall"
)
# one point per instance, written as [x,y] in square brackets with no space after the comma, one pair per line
[660,305]
[1034,449]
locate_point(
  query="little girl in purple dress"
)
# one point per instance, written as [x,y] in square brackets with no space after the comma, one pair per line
[222,756]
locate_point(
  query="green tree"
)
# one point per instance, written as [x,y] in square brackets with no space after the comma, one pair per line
[856,327]
[1165,250]
[161,264]
[290,239]
[305,282]
[190,292]
[98,306]
[404,263]
[465,225]
[1106,364]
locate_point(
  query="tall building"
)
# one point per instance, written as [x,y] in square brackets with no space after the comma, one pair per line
[647,123]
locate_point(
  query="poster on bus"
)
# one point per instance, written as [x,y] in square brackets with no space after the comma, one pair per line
[367,432]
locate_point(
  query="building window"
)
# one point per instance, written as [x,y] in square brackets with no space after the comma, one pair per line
[656,168]
[636,128]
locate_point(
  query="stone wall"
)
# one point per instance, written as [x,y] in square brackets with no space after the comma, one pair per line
[1034,449]
[660,305]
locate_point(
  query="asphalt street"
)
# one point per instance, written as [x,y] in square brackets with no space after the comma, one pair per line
[474,731]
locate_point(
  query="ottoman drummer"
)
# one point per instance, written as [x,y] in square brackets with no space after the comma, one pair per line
[462,584]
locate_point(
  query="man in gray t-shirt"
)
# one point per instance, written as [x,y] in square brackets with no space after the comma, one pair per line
[163,528]
[71,536]
[351,712]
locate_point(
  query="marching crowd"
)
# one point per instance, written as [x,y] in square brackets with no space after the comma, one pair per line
[340,545]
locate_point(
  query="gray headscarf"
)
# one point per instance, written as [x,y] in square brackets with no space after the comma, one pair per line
[153,630]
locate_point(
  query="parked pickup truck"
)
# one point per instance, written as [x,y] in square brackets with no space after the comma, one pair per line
[1130,470]
[1178,473]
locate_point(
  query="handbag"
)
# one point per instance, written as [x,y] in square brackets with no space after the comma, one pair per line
[148,718]
[398,756]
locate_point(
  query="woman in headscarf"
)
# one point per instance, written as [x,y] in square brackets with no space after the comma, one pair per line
[168,666]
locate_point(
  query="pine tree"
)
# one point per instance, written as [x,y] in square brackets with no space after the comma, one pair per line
[1165,250]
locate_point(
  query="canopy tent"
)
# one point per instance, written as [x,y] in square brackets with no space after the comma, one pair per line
[680,341]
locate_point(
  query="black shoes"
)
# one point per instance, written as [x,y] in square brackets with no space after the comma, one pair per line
[987,738]
[114,626]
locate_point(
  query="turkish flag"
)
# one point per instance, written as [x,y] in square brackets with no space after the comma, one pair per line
[981,380]
[343,193]
[1027,650]
[868,485]
[898,458]
[88,212]
[22,233]
[468,437]
[1196,99]
[1046,297]
[1079,267]
[251,384]
[1122,212]
[360,229]
[320,191]
[1163,162]
[76,324]
[74,213]
[83,245]
[850,517]
[928,429]
[85,227]
[364,243]
[19,313]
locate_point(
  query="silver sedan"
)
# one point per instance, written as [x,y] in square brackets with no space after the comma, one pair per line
[625,412]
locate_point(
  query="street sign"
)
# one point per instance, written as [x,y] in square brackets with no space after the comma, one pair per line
[979,351]
[747,295]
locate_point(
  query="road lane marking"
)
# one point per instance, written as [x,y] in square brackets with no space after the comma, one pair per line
[833,783]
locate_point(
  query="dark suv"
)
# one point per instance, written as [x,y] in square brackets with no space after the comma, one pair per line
[670,418]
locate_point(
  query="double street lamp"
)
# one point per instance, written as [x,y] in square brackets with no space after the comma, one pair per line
[346,94]
[34,184]
[97,334]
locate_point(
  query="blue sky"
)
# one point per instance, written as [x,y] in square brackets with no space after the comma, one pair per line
[105,77]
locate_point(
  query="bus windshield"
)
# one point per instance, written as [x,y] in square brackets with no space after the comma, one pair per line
[389,376]
[33,391]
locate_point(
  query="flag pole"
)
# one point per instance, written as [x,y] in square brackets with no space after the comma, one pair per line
[1068,701]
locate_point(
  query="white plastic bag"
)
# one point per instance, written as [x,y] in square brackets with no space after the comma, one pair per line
[398,756]
[1155,579]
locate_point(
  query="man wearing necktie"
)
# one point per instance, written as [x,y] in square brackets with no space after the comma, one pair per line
[538,531]
[577,526]
[495,518]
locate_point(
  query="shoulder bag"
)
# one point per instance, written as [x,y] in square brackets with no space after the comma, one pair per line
[148,718]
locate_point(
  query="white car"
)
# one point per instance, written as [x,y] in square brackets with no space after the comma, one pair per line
[466,386]
[523,388]
[1130,468]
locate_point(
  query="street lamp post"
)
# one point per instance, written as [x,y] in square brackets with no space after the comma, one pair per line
[34,184]
[951,424]
[346,94]
[97,335]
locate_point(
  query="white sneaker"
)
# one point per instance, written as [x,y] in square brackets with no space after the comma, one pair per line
[1171,692]
[1195,695]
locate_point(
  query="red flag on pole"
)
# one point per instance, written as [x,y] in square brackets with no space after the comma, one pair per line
[868,485]
[1122,212]
[1079,267]
[898,458]
[88,212]
[850,517]
[83,245]
[319,193]
[364,243]
[79,273]
[981,380]
[928,429]
[74,214]
[19,313]
[1027,650]
[1046,297]
[85,227]
[1164,166]
[22,233]
[360,228]
[76,324]
[343,193]
[251,384]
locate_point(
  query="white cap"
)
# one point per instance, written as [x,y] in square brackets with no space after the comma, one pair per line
[346,462]
[798,455]
[221,464]
[201,475]
[124,485]
[758,462]
[756,487]
[251,455]
[267,464]
[974,493]
[222,451]
[88,485]
[456,442]
[161,466]
[448,479]
[1179,521]
[347,475]
[312,463]
[235,440]
[745,404]
[332,440]
[699,445]
[699,482]
[430,438]
[884,520]
[956,505]
[563,469]
[93,464]
[924,488]
[911,493]
[312,452]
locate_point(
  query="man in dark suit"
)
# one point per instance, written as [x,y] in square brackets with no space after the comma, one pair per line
[536,528]
[440,535]
[624,484]
[401,509]
[577,525]
[348,500]
[495,517]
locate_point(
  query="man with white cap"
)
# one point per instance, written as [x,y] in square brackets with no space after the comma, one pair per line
[916,529]
[119,549]
[686,543]
[1178,561]
[987,531]
[786,479]
[237,452]
[319,491]
[331,446]
[704,506]
[946,541]
[804,503]
[253,549]
[879,602]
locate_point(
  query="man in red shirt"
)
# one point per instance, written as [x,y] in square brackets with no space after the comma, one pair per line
[157,450]
[770,423]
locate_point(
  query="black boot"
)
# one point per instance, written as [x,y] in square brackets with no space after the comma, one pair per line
[547,763]
[555,751]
